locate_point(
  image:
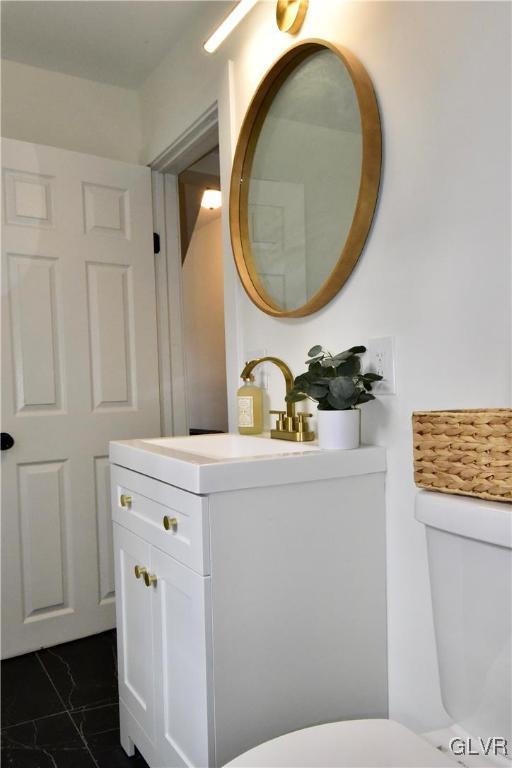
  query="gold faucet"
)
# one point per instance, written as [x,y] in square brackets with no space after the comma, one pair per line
[289,425]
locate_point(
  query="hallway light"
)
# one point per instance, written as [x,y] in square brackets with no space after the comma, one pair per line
[212,199]
[240,10]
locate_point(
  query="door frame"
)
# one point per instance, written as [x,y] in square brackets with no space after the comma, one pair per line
[215,126]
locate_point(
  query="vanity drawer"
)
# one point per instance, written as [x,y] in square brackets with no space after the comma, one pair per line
[150,505]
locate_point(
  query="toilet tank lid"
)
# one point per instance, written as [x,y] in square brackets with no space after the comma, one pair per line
[347,744]
[489,521]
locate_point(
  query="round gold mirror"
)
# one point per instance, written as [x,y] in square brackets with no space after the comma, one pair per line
[305,179]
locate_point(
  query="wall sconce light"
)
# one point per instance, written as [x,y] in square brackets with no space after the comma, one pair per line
[211,199]
[234,18]
[290,15]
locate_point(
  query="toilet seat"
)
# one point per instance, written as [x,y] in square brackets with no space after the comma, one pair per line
[347,744]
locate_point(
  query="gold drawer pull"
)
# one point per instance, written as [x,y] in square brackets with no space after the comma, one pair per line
[125,501]
[149,579]
[139,571]
[170,523]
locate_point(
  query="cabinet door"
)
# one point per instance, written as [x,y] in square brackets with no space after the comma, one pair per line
[134,627]
[182,643]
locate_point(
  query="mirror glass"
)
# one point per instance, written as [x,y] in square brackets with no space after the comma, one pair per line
[304,180]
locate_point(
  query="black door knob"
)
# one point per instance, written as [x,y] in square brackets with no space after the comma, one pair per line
[6,441]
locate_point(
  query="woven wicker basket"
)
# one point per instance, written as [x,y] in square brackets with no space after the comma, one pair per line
[465,452]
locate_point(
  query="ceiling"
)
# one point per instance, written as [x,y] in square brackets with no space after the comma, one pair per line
[209,164]
[192,183]
[111,41]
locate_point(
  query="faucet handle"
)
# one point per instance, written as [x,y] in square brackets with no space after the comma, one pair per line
[302,425]
[279,420]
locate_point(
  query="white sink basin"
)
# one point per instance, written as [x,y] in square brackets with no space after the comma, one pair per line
[226,462]
[231,446]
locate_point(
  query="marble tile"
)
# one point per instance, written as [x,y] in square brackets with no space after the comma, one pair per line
[48,742]
[27,693]
[99,728]
[84,671]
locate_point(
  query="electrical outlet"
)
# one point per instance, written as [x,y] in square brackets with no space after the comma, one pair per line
[381,360]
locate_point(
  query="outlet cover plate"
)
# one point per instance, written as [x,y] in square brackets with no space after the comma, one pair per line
[381,360]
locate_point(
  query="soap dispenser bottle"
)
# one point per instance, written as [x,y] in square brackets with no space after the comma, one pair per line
[250,408]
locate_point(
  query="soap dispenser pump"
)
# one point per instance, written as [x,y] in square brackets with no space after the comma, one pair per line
[250,407]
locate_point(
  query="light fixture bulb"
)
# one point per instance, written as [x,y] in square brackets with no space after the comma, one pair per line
[211,199]
[240,10]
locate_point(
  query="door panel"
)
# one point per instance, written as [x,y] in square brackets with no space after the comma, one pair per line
[106,211]
[134,627]
[44,549]
[79,368]
[28,198]
[104,528]
[34,333]
[110,292]
[182,640]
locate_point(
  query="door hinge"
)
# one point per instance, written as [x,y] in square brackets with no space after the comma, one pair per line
[156,242]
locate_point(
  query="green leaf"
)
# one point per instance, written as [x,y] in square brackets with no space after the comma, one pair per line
[338,404]
[315,370]
[314,359]
[357,350]
[295,397]
[341,356]
[372,377]
[343,393]
[316,350]
[342,386]
[350,367]
[365,397]
[317,390]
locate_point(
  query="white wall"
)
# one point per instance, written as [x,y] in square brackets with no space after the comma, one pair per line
[203,325]
[435,272]
[69,112]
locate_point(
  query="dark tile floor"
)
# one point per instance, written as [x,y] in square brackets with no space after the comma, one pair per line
[60,708]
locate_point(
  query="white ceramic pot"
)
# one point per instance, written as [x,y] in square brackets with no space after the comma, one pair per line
[339,429]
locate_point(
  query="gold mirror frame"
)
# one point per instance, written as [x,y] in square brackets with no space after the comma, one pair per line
[242,166]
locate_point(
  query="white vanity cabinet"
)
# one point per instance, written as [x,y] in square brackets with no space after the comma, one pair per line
[182,643]
[164,629]
[134,628]
[265,606]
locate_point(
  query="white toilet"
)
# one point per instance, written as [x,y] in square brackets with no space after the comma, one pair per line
[470,557]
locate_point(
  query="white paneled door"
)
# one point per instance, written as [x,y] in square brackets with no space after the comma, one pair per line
[79,368]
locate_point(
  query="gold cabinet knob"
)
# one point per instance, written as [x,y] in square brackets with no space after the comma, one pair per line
[170,523]
[139,571]
[125,501]
[149,579]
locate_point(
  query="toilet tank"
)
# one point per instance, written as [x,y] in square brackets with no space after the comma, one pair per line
[470,561]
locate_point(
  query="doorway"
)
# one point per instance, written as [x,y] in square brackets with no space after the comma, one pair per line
[199,351]
[202,282]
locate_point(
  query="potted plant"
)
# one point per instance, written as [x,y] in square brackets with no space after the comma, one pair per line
[336,383]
